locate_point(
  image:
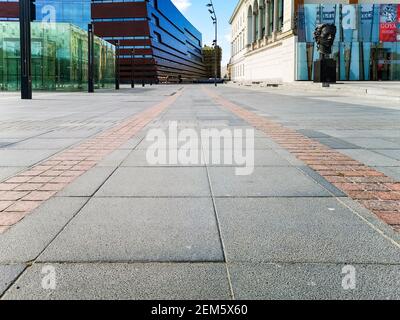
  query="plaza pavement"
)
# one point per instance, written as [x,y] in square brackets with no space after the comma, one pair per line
[124,229]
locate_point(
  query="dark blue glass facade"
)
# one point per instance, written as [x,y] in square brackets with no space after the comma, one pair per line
[367,45]
[176,43]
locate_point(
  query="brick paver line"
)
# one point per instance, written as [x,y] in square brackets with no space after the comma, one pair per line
[372,189]
[24,192]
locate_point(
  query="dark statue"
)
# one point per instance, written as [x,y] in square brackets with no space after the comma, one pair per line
[325,67]
[324,36]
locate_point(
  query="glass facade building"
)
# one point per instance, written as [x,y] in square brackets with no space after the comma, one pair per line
[157,43]
[367,45]
[59,57]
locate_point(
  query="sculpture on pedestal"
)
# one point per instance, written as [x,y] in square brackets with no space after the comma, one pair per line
[325,67]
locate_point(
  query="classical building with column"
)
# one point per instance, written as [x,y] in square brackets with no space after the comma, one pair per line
[272,40]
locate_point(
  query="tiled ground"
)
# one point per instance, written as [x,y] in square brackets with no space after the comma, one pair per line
[126,229]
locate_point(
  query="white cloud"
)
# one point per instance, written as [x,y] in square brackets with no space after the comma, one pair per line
[182,5]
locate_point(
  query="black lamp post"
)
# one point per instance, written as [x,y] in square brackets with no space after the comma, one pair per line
[133,69]
[117,44]
[91,58]
[26,12]
[215,42]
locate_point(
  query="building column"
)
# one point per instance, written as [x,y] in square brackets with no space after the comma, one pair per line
[253,33]
[276,16]
[267,18]
[260,19]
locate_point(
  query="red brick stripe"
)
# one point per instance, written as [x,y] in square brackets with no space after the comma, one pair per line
[372,189]
[21,194]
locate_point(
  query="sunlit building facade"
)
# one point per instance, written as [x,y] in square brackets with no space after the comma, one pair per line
[272,41]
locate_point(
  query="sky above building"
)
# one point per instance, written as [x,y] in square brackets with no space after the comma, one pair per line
[197,13]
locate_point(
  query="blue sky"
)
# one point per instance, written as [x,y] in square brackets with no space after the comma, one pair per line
[197,13]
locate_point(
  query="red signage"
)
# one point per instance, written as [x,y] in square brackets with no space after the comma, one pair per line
[389,30]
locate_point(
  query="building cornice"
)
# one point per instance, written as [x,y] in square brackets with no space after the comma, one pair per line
[236,11]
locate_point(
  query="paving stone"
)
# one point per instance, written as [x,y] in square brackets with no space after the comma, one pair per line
[394,154]
[23,158]
[8,273]
[159,281]
[304,281]
[264,182]
[6,172]
[87,184]
[117,229]
[393,172]
[39,143]
[299,230]
[156,182]
[114,159]
[371,158]
[373,143]
[322,181]
[138,158]
[336,143]
[26,240]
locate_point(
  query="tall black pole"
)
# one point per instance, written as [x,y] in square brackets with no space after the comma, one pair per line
[216,50]
[133,69]
[215,22]
[25,42]
[90,58]
[117,65]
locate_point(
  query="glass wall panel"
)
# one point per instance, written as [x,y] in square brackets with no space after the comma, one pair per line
[367,45]
[59,57]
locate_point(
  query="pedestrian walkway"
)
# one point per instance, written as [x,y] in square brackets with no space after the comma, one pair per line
[129,229]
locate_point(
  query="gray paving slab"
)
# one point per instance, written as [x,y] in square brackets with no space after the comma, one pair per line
[70,133]
[19,134]
[265,182]
[371,158]
[158,281]
[23,158]
[261,158]
[131,144]
[27,239]
[8,274]
[299,230]
[313,133]
[117,229]
[394,154]
[322,181]
[6,172]
[373,143]
[38,144]
[283,281]
[393,172]
[115,158]
[156,182]
[87,184]
[139,158]
[336,143]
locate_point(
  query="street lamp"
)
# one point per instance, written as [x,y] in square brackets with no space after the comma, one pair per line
[26,15]
[117,51]
[215,42]
[133,69]
[90,58]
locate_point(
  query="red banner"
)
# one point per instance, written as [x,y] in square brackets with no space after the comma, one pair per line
[389,23]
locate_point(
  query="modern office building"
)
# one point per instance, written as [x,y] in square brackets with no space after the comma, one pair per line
[272,40]
[156,42]
[209,61]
